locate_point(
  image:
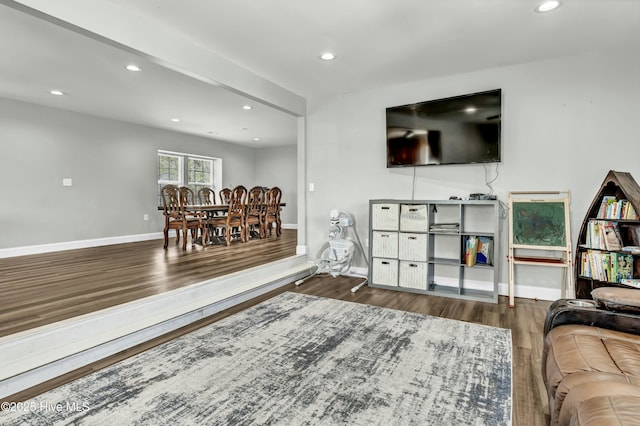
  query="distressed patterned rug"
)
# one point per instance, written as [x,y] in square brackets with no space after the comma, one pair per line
[298,360]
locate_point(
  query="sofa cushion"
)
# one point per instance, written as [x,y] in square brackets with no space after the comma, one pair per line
[601,403]
[578,355]
[617,298]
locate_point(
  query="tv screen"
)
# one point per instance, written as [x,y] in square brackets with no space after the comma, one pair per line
[458,130]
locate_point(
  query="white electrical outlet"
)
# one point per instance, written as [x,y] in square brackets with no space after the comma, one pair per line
[312,187]
[67,182]
[145,217]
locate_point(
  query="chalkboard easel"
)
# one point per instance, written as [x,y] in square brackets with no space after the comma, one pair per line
[539,221]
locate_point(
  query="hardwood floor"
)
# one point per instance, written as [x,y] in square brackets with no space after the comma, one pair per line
[530,407]
[45,288]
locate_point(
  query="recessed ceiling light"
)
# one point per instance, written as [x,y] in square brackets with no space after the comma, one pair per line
[56,92]
[134,68]
[470,110]
[547,6]
[175,120]
[256,139]
[327,56]
[247,107]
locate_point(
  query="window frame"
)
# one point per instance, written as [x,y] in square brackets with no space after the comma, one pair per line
[215,173]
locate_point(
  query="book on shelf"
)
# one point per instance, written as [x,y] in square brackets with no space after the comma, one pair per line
[485,250]
[604,266]
[607,200]
[611,236]
[631,282]
[631,249]
[603,235]
[612,208]
[595,234]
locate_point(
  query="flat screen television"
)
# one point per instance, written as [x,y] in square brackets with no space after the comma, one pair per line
[458,130]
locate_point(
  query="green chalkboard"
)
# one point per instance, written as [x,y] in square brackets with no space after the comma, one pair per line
[539,223]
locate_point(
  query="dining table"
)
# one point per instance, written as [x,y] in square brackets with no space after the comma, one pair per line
[210,210]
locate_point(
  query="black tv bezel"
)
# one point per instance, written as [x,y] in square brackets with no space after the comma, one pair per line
[445,100]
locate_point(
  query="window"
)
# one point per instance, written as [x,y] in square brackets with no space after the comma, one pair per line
[199,173]
[193,171]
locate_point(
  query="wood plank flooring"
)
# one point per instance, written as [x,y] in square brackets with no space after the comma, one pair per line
[530,407]
[45,288]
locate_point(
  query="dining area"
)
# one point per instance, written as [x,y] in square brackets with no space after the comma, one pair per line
[232,215]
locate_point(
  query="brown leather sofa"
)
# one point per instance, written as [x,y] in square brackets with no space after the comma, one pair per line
[591,359]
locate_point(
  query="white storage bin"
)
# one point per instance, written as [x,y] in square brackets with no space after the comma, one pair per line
[384,244]
[412,247]
[414,218]
[384,217]
[413,275]
[384,272]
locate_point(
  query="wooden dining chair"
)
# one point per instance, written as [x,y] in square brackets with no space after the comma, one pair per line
[177,217]
[207,196]
[235,215]
[254,212]
[225,195]
[189,200]
[272,211]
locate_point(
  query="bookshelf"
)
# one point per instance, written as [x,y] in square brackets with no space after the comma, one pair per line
[420,246]
[608,251]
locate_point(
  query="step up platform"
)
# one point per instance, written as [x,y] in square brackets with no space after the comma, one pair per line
[34,356]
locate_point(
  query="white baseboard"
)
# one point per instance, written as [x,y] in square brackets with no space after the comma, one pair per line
[79,244]
[523,291]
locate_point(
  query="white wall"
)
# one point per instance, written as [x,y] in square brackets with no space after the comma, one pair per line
[277,166]
[565,124]
[113,167]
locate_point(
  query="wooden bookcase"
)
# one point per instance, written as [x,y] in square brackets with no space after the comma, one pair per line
[419,246]
[616,186]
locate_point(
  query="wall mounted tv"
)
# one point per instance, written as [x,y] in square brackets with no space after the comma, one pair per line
[458,130]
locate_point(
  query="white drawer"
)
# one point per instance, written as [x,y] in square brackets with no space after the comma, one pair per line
[413,275]
[412,247]
[384,217]
[384,272]
[414,218]
[384,244]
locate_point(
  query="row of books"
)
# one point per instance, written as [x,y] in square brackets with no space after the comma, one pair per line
[610,267]
[612,208]
[603,235]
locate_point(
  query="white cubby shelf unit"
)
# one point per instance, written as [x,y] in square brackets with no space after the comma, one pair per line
[419,246]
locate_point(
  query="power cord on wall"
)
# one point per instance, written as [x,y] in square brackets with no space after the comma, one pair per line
[413,188]
[504,209]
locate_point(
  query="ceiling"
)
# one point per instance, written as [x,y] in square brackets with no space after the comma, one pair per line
[377,43]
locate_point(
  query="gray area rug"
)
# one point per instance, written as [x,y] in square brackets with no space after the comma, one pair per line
[299,360]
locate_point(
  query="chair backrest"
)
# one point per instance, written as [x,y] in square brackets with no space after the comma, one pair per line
[187,197]
[272,200]
[171,200]
[225,195]
[255,202]
[207,196]
[237,202]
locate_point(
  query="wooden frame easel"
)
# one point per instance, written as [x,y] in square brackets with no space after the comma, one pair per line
[539,220]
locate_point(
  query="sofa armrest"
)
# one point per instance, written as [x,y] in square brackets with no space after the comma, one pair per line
[563,311]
